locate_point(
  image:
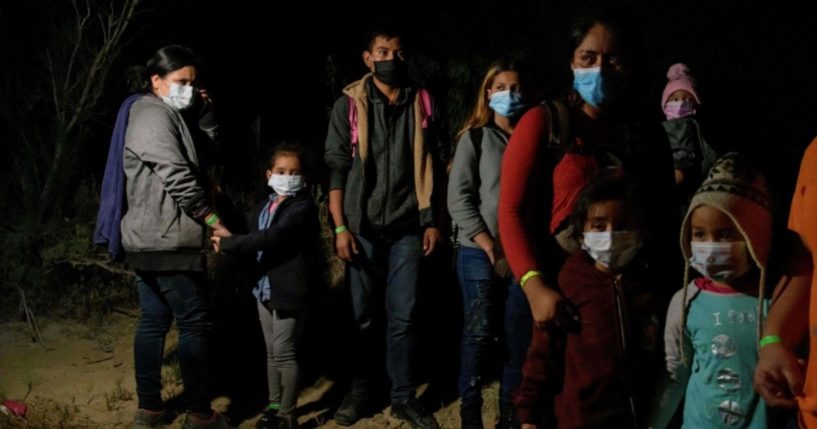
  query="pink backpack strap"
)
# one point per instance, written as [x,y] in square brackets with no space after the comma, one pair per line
[352,109]
[425,105]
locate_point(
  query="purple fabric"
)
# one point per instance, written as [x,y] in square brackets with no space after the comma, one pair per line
[112,205]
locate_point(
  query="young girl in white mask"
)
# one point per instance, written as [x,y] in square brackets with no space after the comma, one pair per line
[284,237]
[713,327]
[594,374]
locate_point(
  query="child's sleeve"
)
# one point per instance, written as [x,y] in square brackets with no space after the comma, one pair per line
[282,234]
[540,367]
[678,348]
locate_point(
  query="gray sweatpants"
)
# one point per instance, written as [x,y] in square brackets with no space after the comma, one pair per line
[281,334]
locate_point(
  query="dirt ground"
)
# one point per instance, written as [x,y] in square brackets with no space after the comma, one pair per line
[81,376]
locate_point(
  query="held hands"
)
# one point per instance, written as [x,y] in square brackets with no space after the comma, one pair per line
[548,307]
[216,240]
[779,376]
[219,230]
[431,237]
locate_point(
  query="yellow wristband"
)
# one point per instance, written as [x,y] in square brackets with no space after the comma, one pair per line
[529,275]
[340,229]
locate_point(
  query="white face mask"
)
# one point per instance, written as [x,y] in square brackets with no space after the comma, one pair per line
[613,249]
[720,261]
[286,185]
[180,97]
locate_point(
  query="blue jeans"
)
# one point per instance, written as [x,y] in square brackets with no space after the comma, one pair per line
[489,303]
[164,297]
[394,261]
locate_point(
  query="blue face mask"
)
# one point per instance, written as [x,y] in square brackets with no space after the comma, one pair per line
[588,83]
[507,103]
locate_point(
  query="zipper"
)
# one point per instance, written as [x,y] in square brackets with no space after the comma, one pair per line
[387,175]
[618,292]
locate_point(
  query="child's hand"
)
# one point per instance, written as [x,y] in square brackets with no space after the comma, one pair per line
[345,246]
[778,376]
[216,243]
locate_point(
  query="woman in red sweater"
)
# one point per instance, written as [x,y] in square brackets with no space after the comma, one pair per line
[559,146]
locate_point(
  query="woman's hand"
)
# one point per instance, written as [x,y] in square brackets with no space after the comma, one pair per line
[216,240]
[219,230]
[345,246]
[779,376]
[486,243]
[548,307]
[431,237]
[527,426]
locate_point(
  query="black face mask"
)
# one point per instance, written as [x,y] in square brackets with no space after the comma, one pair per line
[391,72]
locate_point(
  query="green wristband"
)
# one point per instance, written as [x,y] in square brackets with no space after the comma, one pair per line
[770,339]
[529,275]
[340,229]
[211,219]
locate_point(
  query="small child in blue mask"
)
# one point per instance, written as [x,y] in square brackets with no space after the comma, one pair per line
[692,155]
[712,334]
[284,237]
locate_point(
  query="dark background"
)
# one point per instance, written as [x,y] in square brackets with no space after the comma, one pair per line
[285,62]
[278,67]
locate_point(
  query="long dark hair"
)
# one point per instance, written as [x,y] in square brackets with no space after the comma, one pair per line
[166,60]
[614,22]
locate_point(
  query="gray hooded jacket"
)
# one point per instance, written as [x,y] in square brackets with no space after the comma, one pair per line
[162,229]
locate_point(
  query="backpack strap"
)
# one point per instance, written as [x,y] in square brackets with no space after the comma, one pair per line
[476,137]
[425,105]
[352,112]
[559,124]
[425,108]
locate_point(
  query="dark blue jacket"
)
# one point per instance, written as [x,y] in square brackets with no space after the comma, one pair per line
[112,204]
[292,248]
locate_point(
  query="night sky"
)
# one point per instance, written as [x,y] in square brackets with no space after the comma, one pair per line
[269,60]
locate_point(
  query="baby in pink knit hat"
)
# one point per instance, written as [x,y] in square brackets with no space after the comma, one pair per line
[693,157]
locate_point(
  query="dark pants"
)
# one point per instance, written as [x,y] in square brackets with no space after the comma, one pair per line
[489,303]
[164,297]
[394,261]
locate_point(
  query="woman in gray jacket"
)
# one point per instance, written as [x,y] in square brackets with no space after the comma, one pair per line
[164,231]
[485,280]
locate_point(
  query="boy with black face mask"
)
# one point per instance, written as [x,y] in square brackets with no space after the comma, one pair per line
[383,162]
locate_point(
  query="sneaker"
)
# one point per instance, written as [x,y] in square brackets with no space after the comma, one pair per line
[145,419]
[287,422]
[216,421]
[414,413]
[268,420]
[352,407]
[507,418]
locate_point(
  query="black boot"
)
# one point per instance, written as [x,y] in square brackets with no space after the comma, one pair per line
[353,407]
[471,417]
[507,418]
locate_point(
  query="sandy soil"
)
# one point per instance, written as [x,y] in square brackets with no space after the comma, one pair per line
[81,376]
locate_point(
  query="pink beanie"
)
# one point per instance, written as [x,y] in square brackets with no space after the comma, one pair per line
[678,77]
